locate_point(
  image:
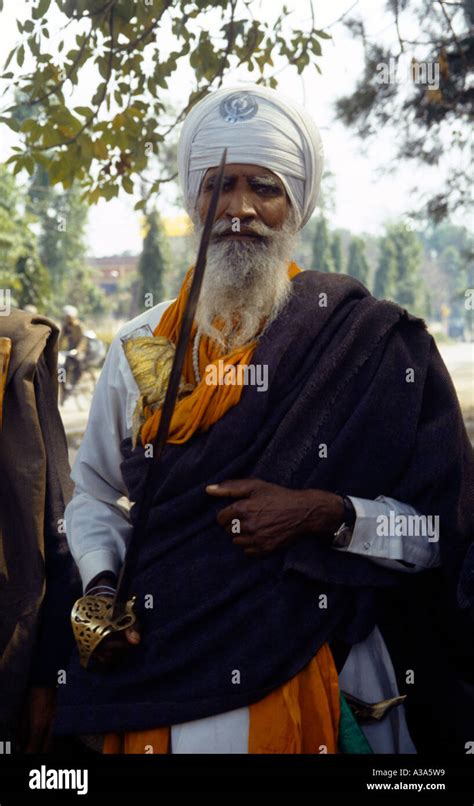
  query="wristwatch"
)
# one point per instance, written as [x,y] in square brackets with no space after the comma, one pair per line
[343,536]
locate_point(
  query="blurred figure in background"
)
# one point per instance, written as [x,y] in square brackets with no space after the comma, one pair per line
[72,340]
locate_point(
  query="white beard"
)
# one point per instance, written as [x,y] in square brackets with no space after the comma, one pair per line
[246,282]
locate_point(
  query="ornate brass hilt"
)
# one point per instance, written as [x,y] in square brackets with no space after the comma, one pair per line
[92,622]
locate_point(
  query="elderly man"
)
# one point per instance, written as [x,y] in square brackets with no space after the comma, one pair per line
[271,565]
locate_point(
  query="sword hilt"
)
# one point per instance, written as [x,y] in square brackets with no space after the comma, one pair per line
[93,621]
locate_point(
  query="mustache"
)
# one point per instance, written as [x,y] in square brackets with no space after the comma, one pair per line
[256,228]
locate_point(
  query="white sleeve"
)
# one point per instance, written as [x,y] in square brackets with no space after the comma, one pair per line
[97,518]
[97,523]
[373,535]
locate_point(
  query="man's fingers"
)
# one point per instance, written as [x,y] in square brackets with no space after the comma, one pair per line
[229,514]
[234,488]
[132,636]
[116,644]
[246,542]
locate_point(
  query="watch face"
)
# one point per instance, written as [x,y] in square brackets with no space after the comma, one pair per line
[342,537]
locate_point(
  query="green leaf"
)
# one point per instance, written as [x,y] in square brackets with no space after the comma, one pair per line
[140,204]
[12,123]
[108,191]
[41,9]
[30,165]
[103,67]
[322,34]
[98,93]
[20,56]
[9,58]
[58,170]
[29,26]
[30,125]
[100,150]
[84,111]
[127,184]
[316,46]
[34,47]
[94,196]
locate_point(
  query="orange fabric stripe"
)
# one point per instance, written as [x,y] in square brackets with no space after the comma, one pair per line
[301,716]
[139,742]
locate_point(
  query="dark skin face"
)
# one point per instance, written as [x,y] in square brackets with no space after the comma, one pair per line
[250,193]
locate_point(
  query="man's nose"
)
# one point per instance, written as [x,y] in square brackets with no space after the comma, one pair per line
[240,205]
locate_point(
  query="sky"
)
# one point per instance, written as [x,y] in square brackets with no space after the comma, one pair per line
[364,197]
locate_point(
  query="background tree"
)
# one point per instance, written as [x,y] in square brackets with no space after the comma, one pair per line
[336,252]
[63,218]
[322,254]
[456,274]
[398,275]
[410,291]
[357,265]
[21,269]
[154,264]
[109,140]
[386,275]
[429,116]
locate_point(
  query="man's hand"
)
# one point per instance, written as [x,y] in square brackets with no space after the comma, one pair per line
[37,720]
[268,517]
[112,649]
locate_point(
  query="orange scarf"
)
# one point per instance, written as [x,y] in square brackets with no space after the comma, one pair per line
[302,715]
[208,402]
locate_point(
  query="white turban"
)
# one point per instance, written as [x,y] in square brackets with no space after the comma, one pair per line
[258,126]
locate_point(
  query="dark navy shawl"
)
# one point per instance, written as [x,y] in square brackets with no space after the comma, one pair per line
[338,361]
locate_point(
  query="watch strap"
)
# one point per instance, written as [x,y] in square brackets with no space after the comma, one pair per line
[343,536]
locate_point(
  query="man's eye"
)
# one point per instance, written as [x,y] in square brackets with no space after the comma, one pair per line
[211,182]
[267,190]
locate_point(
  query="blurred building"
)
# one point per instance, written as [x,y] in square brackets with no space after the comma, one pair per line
[114,272]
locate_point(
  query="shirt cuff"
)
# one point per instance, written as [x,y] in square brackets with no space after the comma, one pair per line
[366,541]
[94,562]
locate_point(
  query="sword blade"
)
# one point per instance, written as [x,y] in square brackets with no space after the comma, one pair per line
[145,502]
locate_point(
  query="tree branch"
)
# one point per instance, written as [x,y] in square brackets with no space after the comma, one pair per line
[102,95]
